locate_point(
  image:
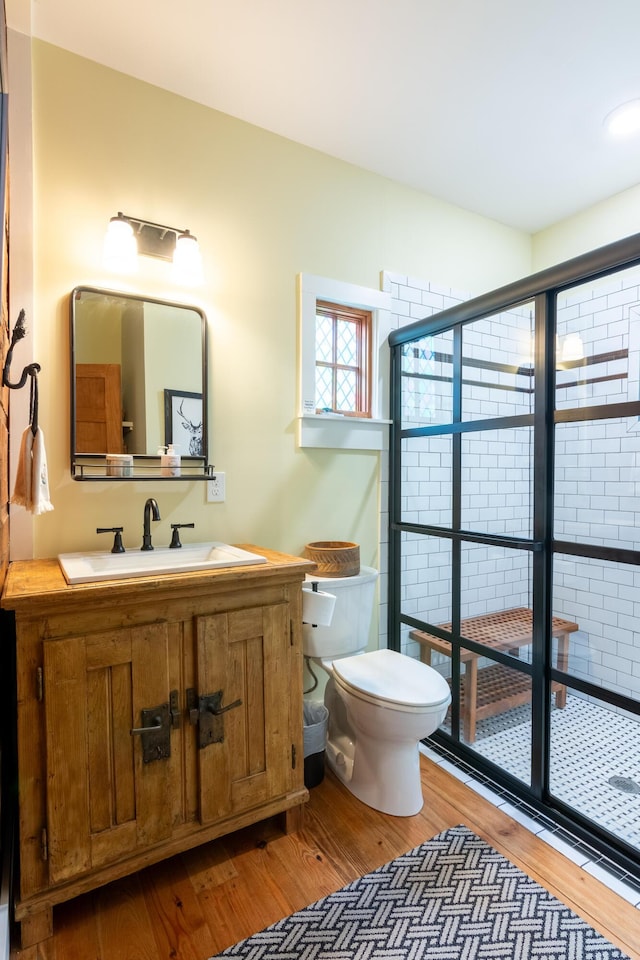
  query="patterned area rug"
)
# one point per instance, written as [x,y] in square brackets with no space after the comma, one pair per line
[452,898]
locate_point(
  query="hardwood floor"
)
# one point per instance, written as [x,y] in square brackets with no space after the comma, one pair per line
[198,903]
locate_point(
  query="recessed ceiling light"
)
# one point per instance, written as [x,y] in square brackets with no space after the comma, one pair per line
[624,121]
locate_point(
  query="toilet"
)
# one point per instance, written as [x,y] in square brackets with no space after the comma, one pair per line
[381,704]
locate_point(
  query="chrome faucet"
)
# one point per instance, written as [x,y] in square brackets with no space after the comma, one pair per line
[150,509]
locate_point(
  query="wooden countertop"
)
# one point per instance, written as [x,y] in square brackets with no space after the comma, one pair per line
[31,584]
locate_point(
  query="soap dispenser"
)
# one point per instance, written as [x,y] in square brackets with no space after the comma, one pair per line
[170,462]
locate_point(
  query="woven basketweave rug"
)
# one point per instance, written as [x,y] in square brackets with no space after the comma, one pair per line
[452,898]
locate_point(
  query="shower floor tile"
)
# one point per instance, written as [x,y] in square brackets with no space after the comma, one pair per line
[594,765]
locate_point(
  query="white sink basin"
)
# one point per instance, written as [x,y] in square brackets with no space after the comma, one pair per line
[89,567]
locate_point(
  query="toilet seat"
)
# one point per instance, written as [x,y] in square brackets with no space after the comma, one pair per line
[386,676]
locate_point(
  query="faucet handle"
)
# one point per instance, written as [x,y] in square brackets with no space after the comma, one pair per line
[175,536]
[117,540]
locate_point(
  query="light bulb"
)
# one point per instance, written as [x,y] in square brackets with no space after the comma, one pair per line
[120,246]
[187,261]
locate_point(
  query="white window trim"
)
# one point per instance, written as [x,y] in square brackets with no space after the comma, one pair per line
[332,430]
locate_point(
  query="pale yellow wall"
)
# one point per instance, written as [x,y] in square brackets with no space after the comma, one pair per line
[97,333]
[170,347]
[603,223]
[264,209]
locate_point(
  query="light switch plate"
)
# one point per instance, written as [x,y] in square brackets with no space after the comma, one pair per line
[216,488]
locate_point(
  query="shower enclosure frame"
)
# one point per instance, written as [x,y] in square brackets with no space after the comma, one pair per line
[542,288]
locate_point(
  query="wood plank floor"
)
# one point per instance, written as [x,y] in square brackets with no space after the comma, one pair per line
[198,903]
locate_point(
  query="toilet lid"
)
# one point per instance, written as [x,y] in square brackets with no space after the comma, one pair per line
[391,676]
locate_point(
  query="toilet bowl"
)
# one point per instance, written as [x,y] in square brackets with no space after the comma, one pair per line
[381,703]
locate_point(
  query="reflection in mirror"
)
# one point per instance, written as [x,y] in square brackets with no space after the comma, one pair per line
[138,383]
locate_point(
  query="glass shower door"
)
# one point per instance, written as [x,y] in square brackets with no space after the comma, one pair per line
[594,750]
[467,508]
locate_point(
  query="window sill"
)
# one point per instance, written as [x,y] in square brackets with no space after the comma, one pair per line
[343,433]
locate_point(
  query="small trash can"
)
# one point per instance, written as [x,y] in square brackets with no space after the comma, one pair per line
[316,717]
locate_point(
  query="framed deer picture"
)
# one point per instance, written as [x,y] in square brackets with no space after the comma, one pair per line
[183,422]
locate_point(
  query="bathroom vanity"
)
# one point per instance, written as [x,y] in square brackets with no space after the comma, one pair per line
[154,714]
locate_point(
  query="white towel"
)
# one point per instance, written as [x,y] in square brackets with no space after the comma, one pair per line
[22,489]
[39,476]
[31,489]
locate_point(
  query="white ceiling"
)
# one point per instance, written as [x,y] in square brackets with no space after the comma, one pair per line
[494,105]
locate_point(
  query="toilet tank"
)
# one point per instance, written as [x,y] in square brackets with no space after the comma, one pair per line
[349,630]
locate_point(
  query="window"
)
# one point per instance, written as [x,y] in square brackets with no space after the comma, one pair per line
[346,416]
[343,360]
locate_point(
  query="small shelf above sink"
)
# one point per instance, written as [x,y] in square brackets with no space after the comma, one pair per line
[94,566]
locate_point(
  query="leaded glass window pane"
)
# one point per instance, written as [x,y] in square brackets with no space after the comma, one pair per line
[324,339]
[347,353]
[324,384]
[345,390]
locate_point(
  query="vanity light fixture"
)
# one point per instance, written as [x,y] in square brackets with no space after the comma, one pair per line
[129,237]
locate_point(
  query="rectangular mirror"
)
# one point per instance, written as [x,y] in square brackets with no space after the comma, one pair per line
[138,383]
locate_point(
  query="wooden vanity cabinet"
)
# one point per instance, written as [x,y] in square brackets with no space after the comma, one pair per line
[211,661]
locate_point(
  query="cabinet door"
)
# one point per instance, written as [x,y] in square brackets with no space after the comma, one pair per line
[245,655]
[103,801]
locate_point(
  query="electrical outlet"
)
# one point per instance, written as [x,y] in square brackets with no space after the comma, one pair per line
[215,488]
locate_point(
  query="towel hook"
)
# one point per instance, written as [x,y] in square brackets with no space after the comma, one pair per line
[32,370]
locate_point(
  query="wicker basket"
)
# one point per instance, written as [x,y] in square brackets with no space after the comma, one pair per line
[335,558]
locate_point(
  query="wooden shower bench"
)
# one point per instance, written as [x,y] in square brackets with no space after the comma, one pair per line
[495,689]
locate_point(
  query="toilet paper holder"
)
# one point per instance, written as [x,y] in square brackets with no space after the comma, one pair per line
[317,606]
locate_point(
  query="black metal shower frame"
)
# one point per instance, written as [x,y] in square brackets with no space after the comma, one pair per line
[542,288]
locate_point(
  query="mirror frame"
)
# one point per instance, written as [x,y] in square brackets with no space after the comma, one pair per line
[88,466]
